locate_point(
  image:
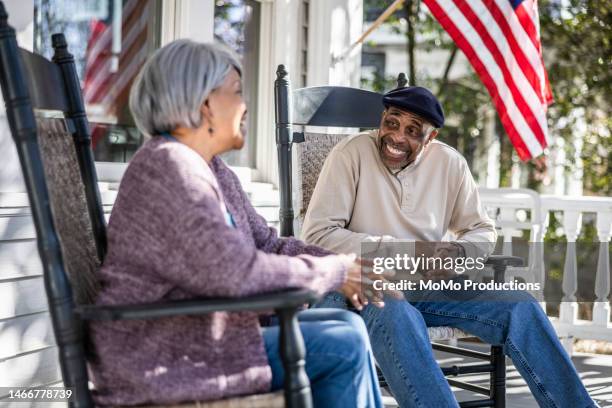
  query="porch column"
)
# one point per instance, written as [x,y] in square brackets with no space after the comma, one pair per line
[21,18]
[333,25]
[192,19]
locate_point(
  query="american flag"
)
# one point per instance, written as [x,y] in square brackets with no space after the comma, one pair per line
[103,87]
[501,39]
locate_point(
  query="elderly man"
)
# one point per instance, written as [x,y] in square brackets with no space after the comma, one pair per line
[399,183]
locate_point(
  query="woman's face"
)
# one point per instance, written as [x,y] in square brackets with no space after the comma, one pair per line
[228,113]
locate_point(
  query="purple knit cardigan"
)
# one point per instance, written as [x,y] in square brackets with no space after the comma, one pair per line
[169,239]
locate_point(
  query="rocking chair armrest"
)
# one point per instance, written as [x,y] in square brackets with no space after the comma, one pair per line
[500,263]
[503,260]
[290,299]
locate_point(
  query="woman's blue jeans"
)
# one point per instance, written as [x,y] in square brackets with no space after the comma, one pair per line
[398,333]
[339,360]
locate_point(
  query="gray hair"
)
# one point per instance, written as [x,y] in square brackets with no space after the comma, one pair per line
[174,83]
[428,128]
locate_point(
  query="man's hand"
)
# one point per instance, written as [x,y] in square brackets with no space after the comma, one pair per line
[358,288]
[440,274]
[352,287]
[444,250]
[448,250]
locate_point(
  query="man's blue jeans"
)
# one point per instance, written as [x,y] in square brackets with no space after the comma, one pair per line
[398,333]
[339,360]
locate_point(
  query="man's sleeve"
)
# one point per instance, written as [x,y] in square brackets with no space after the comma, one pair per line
[331,207]
[474,229]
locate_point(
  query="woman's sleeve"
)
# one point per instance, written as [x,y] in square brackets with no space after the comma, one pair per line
[211,258]
[266,237]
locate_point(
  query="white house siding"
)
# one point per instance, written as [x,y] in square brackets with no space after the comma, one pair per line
[28,355]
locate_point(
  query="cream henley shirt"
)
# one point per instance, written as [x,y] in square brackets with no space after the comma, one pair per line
[358,199]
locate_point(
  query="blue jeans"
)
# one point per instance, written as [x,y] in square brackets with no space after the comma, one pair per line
[339,360]
[398,333]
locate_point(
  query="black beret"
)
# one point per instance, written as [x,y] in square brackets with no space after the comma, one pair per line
[417,100]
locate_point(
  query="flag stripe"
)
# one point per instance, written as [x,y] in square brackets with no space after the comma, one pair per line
[523,93]
[128,73]
[134,31]
[525,20]
[524,29]
[508,62]
[97,67]
[525,37]
[527,16]
[531,18]
[527,57]
[131,8]
[101,42]
[469,37]
[96,79]
[121,91]
[102,86]
[134,52]
[442,16]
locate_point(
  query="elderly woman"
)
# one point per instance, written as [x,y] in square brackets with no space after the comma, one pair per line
[182,227]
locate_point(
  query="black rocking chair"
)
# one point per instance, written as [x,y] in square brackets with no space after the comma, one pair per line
[350,108]
[54,148]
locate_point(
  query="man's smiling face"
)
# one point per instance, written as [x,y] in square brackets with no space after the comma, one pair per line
[402,136]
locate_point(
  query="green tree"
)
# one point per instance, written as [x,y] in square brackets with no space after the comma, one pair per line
[576,36]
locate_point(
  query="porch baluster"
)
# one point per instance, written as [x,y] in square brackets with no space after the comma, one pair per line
[572,222]
[601,308]
[507,217]
[539,264]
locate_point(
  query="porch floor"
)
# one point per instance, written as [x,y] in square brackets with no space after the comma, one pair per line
[595,371]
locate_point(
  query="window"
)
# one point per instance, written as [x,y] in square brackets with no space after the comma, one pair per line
[237,26]
[110,40]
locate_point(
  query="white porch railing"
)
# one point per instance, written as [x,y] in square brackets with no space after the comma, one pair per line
[520,209]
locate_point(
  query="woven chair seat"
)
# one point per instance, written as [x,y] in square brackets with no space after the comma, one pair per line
[269,400]
[446,333]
